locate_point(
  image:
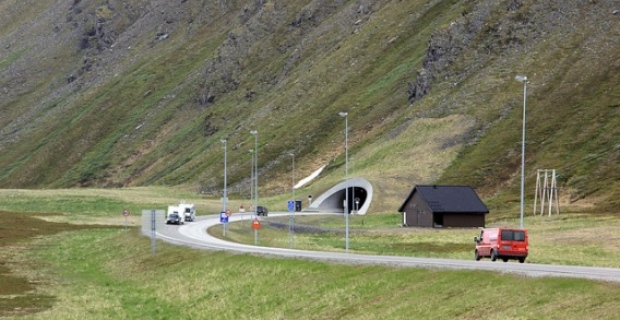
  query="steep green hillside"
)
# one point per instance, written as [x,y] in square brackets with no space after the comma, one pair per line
[137,92]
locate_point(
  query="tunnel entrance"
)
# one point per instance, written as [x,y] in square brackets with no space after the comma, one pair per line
[357,198]
[335,199]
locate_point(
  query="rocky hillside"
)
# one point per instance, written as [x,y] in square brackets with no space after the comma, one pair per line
[126,93]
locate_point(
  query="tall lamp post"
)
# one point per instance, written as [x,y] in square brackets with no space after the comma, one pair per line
[524,80]
[252,180]
[345,115]
[291,221]
[225,200]
[255,134]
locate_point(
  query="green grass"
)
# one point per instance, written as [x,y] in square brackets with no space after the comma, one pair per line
[464,132]
[111,273]
[102,205]
[570,239]
[19,293]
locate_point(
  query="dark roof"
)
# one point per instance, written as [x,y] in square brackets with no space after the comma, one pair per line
[452,199]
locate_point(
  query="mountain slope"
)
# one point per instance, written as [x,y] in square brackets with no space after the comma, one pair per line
[124,93]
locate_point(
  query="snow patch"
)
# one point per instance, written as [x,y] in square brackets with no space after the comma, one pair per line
[309,178]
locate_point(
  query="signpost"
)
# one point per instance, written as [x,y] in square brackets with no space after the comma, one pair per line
[291,221]
[150,222]
[126,213]
[255,226]
[153,231]
[224,220]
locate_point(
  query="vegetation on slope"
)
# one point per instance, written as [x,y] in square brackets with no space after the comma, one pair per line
[127,93]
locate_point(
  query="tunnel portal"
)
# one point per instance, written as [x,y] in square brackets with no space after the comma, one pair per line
[359,197]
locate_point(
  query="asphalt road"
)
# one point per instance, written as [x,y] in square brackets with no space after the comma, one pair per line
[194,235]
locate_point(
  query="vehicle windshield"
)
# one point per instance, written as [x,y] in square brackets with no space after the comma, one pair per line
[513,235]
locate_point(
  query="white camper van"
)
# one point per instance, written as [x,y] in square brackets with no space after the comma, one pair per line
[188,211]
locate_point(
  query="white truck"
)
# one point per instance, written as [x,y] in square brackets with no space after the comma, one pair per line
[186,212]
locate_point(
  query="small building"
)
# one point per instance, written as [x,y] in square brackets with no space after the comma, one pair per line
[443,206]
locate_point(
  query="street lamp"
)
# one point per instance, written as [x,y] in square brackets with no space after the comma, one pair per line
[225,201]
[291,220]
[524,80]
[255,134]
[345,115]
[293,181]
[252,179]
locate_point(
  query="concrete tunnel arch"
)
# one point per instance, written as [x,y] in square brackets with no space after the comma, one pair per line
[360,196]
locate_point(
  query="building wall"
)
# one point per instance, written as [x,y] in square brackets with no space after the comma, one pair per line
[417,213]
[463,220]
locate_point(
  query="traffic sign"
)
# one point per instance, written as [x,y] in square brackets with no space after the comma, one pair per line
[126,214]
[223,217]
[291,206]
[255,224]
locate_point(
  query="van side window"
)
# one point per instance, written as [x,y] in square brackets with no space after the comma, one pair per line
[513,235]
[506,235]
[519,236]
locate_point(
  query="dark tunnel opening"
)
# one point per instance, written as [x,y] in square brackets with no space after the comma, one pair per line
[357,198]
[359,192]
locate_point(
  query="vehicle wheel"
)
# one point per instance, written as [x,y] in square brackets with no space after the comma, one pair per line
[505,259]
[521,260]
[493,255]
[476,255]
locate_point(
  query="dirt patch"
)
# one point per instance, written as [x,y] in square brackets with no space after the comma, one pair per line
[18,295]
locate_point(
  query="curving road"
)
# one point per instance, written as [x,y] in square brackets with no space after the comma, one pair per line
[194,235]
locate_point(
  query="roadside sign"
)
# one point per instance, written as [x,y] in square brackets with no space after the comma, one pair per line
[126,214]
[291,206]
[255,224]
[223,217]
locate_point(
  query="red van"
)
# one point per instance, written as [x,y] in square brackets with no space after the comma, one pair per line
[502,243]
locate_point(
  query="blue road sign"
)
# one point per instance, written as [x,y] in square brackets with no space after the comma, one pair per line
[223,217]
[291,206]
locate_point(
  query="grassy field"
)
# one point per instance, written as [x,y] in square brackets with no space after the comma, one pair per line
[109,272]
[571,239]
